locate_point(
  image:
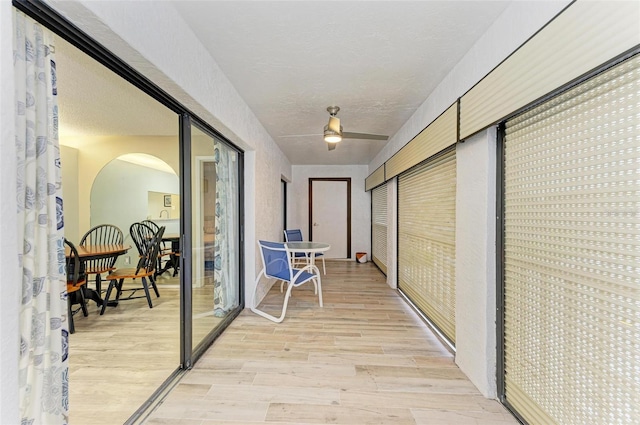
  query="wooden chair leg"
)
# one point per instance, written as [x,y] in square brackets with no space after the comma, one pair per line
[98,283]
[83,303]
[119,288]
[153,285]
[146,291]
[174,259]
[112,284]
[105,300]
[72,328]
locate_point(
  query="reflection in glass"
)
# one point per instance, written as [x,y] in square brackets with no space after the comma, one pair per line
[215,233]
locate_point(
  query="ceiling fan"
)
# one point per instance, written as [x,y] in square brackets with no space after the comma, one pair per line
[333,131]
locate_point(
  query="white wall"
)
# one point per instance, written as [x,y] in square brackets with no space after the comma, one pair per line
[10,278]
[476,260]
[119,197]
[70,193]
[475,284]
[94,153]
[360,201]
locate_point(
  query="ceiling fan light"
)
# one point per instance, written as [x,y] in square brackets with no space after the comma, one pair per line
[331,136]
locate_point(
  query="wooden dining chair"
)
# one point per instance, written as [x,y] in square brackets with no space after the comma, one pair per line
[277,264]
[76,279]
[168,257]
[103,234]
[144,271]
[295,235]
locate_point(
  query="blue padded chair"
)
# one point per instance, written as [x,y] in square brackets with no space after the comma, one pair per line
[276,261]
[295,235]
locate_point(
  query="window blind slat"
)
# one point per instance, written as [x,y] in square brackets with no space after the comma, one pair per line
[379,226]
[572,254]
[426,244]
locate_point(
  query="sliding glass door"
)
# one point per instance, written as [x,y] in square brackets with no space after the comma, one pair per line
[212,281]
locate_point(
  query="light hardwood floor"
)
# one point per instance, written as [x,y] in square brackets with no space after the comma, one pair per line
[116,361]
[365,358]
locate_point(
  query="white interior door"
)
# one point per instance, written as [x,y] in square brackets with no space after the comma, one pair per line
[329,212]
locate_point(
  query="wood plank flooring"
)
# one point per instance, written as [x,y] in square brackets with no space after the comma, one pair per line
[365,358]
[116,361]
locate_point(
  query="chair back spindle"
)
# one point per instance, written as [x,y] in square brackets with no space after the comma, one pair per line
[142,233]
[103,234]
[148,258]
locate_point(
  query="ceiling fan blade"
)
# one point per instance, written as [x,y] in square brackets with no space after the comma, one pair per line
[348,135]
[298,135]
[334,124]
[331,146]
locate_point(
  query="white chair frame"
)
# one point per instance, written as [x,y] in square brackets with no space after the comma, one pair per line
[294,275]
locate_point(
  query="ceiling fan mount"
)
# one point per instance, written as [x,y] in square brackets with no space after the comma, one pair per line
[333,110]
[333,131]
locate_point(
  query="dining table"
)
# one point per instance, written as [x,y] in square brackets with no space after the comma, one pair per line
[308,248]
[173,262]
[94,252]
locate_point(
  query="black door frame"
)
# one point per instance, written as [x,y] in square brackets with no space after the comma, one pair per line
[283,184]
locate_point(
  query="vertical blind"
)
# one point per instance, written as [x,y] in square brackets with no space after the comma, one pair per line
[572,254]
[379,226]
[426,239]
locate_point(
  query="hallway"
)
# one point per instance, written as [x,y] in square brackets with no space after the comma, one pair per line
[365,358]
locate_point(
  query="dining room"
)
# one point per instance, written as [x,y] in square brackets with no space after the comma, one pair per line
[120,157]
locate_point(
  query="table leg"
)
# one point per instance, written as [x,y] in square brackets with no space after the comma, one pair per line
[91,294]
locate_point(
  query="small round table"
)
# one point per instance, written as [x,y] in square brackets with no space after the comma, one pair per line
[309,248]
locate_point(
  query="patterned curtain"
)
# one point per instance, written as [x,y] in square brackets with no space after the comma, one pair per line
[43,367]
[225,264]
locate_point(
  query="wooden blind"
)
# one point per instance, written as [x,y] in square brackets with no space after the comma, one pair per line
[379,226]
[426,239]
[572,254]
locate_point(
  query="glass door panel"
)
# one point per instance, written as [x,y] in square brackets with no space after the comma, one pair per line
[215,222]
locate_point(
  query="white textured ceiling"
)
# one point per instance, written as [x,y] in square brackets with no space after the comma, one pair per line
[94,101]
[377,60]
